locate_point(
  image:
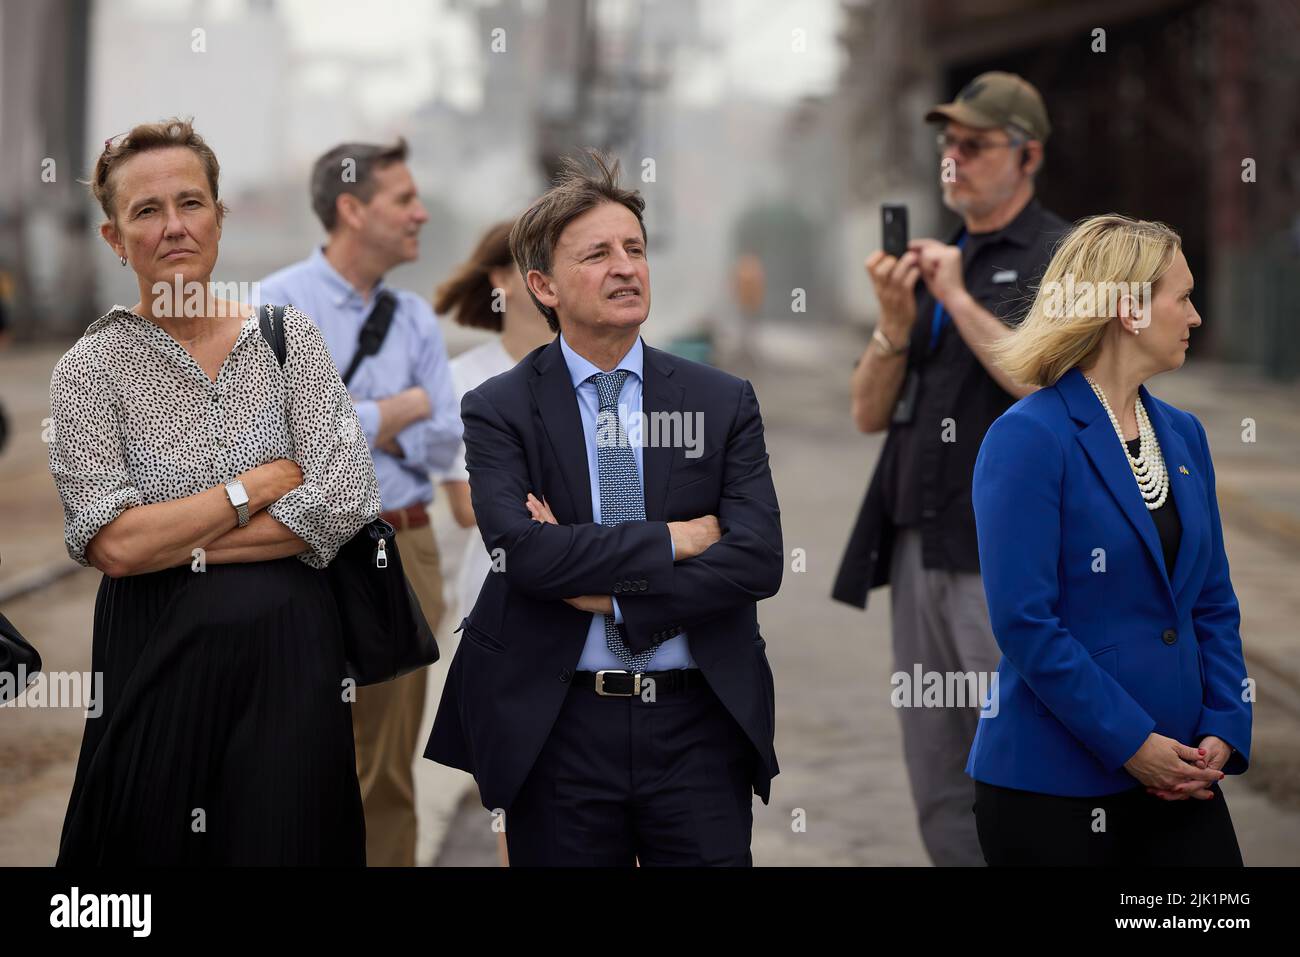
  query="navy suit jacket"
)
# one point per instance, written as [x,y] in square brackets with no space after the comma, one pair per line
[521,642]
[1100,647]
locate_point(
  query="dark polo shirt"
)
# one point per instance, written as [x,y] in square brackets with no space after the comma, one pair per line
[923,477]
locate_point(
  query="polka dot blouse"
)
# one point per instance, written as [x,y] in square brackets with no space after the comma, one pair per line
[135,421]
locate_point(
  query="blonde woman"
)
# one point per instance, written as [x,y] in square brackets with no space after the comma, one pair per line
[209,485]
[1119,701]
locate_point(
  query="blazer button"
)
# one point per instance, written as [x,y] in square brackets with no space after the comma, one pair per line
[1169,636]
[642,585]
[618,588]
[565,674]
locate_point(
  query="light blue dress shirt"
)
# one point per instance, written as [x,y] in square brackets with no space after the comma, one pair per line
[413,354]
[596,656]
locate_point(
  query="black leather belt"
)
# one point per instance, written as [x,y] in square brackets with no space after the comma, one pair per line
[624,684]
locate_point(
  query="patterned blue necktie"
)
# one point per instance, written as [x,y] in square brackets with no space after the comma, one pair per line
[621,497]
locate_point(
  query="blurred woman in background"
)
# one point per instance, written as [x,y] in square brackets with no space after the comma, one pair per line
[485,292]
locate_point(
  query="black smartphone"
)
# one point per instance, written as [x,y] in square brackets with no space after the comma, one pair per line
[893,228]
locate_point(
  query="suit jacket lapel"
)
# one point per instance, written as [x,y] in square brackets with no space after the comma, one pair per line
[1102,445]
[1182,486]
[658,394]
[557,405]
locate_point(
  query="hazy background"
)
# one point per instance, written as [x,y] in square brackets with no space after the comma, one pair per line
[761,132]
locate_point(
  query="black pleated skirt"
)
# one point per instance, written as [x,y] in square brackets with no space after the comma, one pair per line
[225,736]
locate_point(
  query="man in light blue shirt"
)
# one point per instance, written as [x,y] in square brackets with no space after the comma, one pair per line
[596,655]
[413,359]
[368,203]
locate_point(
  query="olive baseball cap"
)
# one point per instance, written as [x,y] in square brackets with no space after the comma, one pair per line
[995,99]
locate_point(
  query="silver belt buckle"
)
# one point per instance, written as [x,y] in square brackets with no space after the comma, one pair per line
[600,684]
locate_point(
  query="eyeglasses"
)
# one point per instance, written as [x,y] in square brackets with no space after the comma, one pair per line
[971,148]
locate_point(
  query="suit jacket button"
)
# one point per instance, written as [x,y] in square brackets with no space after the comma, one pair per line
[642,585]
[1169,636]
[618,588]
[565,674]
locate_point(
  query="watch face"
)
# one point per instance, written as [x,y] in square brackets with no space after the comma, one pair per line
[237,493]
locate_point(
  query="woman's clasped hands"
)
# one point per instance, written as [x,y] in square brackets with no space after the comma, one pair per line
[1174,771]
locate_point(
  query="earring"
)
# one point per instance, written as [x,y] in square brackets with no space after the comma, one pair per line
[123,260]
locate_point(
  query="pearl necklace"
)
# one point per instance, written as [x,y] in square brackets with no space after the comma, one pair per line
[1149,464]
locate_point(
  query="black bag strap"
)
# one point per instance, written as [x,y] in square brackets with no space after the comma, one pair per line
[373,332]
[271,322]
[272,325]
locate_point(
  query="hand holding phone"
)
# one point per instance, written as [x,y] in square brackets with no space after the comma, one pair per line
[893,271]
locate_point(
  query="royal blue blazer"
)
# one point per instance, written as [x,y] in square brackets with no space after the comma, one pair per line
[1099,646]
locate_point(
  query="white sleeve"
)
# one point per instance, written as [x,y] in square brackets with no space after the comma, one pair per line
[87,456]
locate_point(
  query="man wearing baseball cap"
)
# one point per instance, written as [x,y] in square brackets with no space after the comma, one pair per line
[928,378]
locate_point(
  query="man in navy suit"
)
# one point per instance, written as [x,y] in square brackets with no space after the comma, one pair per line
[611,694]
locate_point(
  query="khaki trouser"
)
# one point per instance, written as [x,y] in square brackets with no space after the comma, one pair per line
[386,720]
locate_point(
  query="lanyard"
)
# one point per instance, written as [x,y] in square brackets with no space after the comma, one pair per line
[941,315]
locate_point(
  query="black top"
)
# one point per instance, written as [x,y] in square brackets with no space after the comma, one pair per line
[927,478]
[1168,524]
[923,476]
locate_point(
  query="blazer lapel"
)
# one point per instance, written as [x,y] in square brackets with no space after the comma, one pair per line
[557,405]
[658,394]
[1189,500]
[1102,445]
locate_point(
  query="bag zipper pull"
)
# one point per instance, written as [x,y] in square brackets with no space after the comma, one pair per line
[381,556]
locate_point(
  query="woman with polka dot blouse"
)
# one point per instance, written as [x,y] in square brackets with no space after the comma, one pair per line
[209,485]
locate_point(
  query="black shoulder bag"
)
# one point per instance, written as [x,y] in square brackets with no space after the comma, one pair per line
[17,658]
[385,633]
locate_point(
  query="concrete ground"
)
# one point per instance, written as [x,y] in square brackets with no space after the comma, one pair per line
[837,738]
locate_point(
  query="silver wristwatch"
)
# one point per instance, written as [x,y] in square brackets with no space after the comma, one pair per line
[238,496]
